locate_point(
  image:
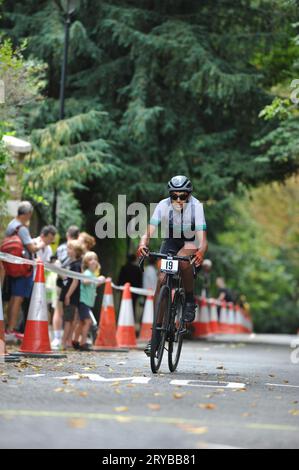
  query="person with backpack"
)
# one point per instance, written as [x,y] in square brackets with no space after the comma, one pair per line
[18,242]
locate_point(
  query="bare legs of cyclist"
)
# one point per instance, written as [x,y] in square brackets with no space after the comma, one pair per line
[188,281]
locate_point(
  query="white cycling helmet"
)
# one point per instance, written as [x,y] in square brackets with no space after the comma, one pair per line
[180,183]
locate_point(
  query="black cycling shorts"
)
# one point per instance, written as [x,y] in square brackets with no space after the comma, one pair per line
[171,246]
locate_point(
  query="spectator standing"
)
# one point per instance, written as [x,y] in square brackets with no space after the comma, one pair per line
[70,292]
[224,294]
[88,290]
[47,236]
[206,277]
[21,287]
[63,261]
[149,278]
[131,273]
[88,241]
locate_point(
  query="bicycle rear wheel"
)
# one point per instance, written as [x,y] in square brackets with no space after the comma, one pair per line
[160,328]
[176,336]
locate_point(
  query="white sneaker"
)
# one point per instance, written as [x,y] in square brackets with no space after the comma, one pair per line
[10,337]
[56,344]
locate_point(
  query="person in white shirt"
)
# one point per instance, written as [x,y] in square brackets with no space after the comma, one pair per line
[47,236]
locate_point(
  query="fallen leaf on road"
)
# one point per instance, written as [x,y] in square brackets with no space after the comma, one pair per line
[58,390]
[192,429]
[178,395]
[272,375]
[207,406]
[245,415]
[158,394]
[286,382]
[154,406]
[77,423]
[220,367]
[131,385]
[120,409]
[118,391]
[294,412]
[83,394]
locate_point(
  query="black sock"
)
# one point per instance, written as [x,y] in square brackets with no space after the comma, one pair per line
[189,297]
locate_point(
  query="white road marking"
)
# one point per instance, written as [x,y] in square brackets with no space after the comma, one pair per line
[35,375]
[207,384]
[207,445]
[141,380]
[99,378]
[146,380]
[283,385]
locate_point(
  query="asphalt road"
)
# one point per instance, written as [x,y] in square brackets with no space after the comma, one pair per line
[220,397]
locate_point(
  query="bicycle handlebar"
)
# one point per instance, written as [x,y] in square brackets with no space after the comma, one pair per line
[153,254]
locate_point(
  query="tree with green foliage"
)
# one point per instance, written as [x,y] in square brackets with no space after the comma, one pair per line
[179,82]
[155,89]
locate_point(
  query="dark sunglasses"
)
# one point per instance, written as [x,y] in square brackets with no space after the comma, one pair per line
[181,197]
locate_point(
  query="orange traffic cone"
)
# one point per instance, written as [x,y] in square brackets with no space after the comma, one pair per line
[126,335]
[201,324]
[147,319]
[231,318]
[106,337]
[214,325]
[239,327]
[3,354]
[36,341]
[223,321]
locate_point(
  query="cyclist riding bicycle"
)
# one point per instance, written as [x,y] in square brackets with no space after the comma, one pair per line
[182,220]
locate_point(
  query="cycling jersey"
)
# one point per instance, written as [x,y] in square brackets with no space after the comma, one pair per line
[180,224]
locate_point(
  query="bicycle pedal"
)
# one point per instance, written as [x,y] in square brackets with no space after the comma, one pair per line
[183,331]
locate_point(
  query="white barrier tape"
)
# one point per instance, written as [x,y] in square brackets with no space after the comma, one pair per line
[72,274]
[15,259]
[134,290]
[67,273]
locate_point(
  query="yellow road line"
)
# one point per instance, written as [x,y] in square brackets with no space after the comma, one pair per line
[125,418]
[273,427]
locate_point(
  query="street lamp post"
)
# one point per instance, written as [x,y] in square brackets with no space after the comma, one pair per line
[69,7]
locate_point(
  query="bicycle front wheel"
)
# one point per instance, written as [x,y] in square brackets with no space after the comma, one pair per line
[176,334]
[160,328]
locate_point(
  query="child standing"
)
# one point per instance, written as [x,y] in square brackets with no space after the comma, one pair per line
[70,292]
[90,267]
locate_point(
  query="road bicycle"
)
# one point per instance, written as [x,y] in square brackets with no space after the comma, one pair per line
[168,325]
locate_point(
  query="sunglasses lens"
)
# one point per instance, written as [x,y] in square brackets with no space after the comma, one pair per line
[182,197]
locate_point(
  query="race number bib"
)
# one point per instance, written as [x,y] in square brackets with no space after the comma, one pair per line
[169,266]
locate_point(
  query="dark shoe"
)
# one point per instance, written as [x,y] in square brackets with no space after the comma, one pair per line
[189,312]
[147,349]
[84,347]
[76,345]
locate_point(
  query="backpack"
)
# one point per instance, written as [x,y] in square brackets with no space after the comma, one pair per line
[13,245]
